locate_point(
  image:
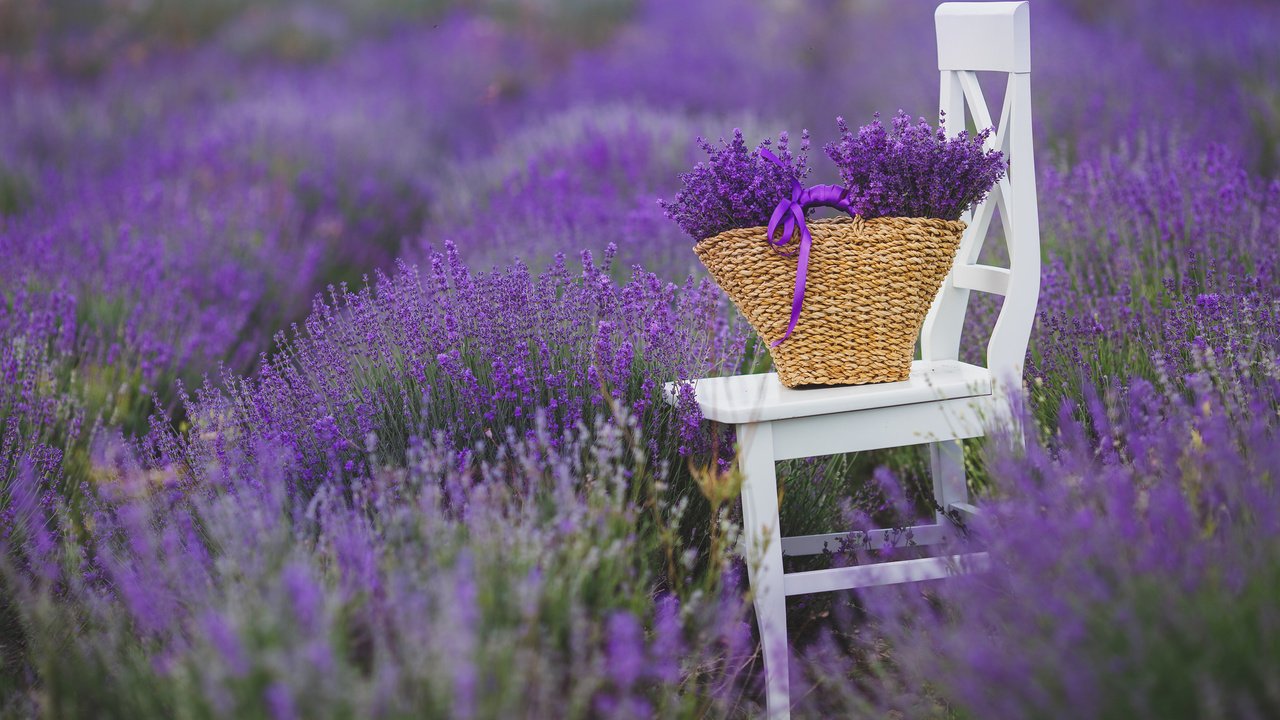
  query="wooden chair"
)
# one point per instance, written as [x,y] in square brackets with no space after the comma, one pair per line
[945,400]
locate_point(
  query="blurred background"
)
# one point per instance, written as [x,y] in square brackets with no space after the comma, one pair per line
[189,174]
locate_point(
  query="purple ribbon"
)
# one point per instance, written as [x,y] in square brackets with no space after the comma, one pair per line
[790,213]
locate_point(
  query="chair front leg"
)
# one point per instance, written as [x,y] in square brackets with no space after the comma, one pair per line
[762,529]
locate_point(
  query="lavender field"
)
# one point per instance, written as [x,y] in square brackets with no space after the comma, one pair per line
[333,338]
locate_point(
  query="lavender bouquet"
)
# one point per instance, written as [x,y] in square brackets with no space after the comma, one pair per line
[735,187]
[913,170]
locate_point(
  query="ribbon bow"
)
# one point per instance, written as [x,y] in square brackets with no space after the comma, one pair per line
[790,213]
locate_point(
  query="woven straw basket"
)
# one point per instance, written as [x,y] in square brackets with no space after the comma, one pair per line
[870,283]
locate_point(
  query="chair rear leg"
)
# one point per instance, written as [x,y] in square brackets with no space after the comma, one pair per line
[763,533]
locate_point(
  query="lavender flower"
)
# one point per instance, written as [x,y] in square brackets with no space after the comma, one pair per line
[913,170]
[626,655]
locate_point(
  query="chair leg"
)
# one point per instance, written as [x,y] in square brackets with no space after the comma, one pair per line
[946,463]
[763,534]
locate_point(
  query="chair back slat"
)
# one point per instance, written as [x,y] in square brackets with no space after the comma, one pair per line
[983,36]
[972,38]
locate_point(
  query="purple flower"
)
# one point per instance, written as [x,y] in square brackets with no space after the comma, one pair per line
[305,596]
[222,636]
[626,652]
[279,701]
[668,645]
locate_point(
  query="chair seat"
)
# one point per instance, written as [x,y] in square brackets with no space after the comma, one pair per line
[762,398]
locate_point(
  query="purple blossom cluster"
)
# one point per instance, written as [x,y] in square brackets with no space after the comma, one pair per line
[735,187]
[912,170]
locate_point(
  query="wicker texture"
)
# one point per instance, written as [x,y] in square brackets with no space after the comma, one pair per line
[869,287]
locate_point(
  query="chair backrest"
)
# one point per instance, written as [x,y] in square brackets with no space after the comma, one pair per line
[975,37]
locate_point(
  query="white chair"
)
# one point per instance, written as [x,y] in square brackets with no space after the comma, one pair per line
[945,400]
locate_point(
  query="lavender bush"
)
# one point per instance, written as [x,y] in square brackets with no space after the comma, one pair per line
[466,357]
[735,187]
[1175,281]
[912,170]
[1134,561]
[442,585]
[42,417]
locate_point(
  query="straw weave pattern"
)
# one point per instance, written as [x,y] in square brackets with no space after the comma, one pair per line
[869,286]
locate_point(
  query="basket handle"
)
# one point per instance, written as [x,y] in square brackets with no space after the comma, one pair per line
[790,212]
